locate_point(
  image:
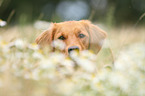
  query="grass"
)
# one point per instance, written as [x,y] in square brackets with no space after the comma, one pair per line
[25,70]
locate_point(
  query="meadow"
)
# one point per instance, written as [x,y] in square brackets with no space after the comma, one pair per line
[27,70]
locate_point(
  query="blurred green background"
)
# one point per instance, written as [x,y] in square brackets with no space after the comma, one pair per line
[109,12]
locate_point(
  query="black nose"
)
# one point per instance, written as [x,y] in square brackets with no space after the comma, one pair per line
[73,48]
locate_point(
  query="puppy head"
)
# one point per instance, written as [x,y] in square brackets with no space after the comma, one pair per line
[77,35]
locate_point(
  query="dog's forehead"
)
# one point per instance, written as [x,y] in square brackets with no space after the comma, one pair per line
[70,26]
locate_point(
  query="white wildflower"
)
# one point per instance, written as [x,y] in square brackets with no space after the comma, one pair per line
[84,61]
[120,80]
[74,55]
[46,64]
[124,62]
[33,46]
[58,44]
[57,58]
[19,44]
[102,75]
[87,65]
[68,62]
[68,66]
[88,55]
[98,78]
[2,23]
[96,84]
[130,58]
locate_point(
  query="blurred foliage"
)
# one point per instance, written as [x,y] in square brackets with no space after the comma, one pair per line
[110,12]
[27,70]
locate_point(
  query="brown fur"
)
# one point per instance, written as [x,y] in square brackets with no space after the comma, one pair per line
[93,39]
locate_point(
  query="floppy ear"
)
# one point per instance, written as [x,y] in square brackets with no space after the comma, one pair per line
[46,37]
[97,36]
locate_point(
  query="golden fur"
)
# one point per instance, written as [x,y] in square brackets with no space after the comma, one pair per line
[91,37]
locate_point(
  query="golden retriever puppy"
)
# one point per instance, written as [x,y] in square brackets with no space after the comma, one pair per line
[77,35]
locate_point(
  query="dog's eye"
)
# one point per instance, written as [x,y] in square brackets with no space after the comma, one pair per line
[81,35]
[61,38]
